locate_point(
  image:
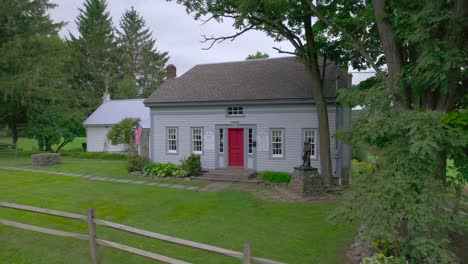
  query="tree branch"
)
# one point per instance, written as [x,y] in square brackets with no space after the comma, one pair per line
[352,40]
[283,51]
[215,40]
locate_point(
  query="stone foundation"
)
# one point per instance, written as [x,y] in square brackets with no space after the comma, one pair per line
[306,182]
[45,159]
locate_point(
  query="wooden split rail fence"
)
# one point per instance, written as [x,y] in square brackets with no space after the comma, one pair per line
[245,256]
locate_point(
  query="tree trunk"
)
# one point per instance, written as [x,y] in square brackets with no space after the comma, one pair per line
[393,55]
[324,139]
[312,65]
[14,132]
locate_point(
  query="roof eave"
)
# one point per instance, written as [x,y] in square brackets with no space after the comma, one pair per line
[244,102]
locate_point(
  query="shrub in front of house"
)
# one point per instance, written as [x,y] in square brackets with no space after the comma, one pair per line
[192,165]
[276,177]
[161,169]
[136,163]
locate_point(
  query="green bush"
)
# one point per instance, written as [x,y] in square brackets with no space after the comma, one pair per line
[192,165]
[99,155]
[161,169]
[181,173]
[276,177]
[136,163]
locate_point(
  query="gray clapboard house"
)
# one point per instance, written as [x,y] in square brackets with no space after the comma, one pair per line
[252,114]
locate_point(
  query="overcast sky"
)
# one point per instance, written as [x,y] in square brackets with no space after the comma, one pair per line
[179,34]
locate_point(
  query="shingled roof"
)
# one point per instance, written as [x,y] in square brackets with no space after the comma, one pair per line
[262,79]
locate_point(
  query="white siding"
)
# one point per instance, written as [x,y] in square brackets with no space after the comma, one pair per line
[292,118]
[96,140]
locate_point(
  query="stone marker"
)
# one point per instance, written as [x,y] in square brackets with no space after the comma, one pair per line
[306,181]
[45,159]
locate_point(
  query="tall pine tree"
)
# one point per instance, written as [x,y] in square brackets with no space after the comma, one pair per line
[140,60]
[28,42]
[94,52]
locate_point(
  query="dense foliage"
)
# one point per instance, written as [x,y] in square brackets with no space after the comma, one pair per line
[161,169]
[28,40]
[94,54]
[275,176]
[123,133]
[136,163]
[192,165]
[258,55]
[404,185]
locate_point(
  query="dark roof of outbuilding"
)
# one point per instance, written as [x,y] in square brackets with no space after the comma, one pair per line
[262,79]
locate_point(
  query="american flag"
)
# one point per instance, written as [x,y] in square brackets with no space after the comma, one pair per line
[138,132]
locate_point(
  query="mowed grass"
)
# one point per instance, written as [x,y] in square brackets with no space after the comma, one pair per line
[288,232]
[95,167]
[29,144]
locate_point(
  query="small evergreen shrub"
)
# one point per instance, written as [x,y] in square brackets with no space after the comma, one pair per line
[136,163]
[192,165]
[276,177]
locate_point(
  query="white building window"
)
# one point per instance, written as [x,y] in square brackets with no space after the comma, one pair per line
[172,140]
[250,141]
[235,111]
[310,135]
[221,140]
[197,140]
[277,143]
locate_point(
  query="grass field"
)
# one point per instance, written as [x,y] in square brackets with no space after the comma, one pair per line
[289,232]
[28,144]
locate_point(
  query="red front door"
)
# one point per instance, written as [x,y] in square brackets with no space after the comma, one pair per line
[236,147]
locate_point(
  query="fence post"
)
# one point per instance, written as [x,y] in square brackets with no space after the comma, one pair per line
[92,236]
[247,253]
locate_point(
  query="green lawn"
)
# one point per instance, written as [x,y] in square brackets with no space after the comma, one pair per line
[289,232]
[28,144]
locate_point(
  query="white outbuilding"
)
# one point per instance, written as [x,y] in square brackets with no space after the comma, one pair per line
[108,114]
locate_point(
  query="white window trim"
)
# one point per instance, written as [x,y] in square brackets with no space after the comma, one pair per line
[277,156]
[201,140]
[172,151]
[314,131]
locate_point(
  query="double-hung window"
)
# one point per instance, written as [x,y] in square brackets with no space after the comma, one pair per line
[277,143]
[171,140]
[310,135]
[197,140]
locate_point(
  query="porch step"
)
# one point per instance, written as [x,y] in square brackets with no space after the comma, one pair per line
[228,175]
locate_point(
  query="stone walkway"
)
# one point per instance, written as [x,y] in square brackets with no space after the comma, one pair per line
[127,181]
[216,186]
[279,194]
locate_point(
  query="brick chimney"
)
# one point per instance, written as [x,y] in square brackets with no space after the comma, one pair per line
[171,72]
[106,96]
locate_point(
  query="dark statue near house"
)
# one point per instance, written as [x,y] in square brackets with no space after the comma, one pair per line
[306,157]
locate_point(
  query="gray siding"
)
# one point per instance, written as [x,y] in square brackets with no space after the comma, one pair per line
[293,118]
